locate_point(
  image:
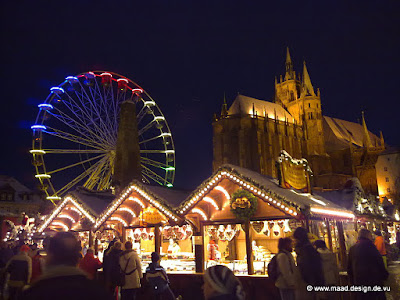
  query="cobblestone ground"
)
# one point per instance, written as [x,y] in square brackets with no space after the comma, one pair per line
[394,281]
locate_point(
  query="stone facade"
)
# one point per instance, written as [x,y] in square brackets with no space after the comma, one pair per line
[252,132]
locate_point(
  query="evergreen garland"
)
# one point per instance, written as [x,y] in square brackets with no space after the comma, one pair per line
[244,213]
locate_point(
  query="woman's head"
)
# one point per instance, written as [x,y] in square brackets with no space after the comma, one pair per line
[220,280]
[300,234]
[117,245]
[285,244]
[128,245]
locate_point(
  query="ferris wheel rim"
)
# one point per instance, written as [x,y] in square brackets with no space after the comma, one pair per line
[44,175]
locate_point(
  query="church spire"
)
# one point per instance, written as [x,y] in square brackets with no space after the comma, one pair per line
[289,74]
[224,109]
[366,139]
[307,86]
[382,140]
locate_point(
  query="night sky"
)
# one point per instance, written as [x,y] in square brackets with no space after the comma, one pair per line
[187,54]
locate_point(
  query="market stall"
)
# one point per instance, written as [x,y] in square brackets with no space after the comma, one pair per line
[239,216]
[145,215]
[77,212]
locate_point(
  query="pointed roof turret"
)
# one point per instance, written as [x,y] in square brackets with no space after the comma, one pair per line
[289,74]
[366,139]
[224,109]
[382,140]
[307,86]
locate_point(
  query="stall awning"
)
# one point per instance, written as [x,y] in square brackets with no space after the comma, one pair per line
[142,203]
[211,200]
[77,210]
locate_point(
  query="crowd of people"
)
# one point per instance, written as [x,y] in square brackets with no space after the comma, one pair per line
[61,271]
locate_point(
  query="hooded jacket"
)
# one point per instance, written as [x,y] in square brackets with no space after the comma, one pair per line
[329,266]
[129,261]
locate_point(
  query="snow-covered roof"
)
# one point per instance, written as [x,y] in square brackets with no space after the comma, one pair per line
[96,201]
[243,104]
[171,196]
[339,132]
[20,189]
[303,200]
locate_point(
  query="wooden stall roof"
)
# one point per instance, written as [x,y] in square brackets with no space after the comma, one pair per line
[162,199]
[274,201]
[81,202]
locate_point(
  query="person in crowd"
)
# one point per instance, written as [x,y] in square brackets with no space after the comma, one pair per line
[221,284]
[38,263]
[90,264]
[62,279]
[158,279]
[105,258]
[365,265]
[5,255]
[286,281]
[129,262]
[20,269]
[398,238]
[112,271]
[309,264]
[380,245]
[329,266]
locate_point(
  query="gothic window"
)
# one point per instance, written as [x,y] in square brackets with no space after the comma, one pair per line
[387,179]
[309,104]
[317,105]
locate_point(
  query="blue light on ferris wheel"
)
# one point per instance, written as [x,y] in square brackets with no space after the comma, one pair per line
[72,79]
[38,127]
[57,90]
[45,106]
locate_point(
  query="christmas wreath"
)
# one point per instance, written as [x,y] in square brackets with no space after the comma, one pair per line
[243,204]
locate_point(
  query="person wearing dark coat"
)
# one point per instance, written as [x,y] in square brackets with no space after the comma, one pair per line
[62,280]
[112,272]
[309,263]
[365,266]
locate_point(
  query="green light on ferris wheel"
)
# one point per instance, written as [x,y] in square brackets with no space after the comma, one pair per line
[169,185]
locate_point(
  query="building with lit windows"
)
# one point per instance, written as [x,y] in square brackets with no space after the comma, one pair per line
[388,175]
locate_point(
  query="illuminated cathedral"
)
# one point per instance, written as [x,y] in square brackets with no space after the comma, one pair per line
[252,132]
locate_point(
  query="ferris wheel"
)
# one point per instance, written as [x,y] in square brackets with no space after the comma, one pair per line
[75,134]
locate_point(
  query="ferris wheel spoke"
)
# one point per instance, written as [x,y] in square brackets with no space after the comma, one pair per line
[150,139]
[157,151]
[93,108]
[150,162]
[80,113]
[76,164]
[76,179]
[146,178]
[95,175]
[105,181]
[72,151]
[75,139]
[154,175]
[74,125]
[147,127]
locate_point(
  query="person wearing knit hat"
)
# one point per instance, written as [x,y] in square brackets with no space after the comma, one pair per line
[221,284]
